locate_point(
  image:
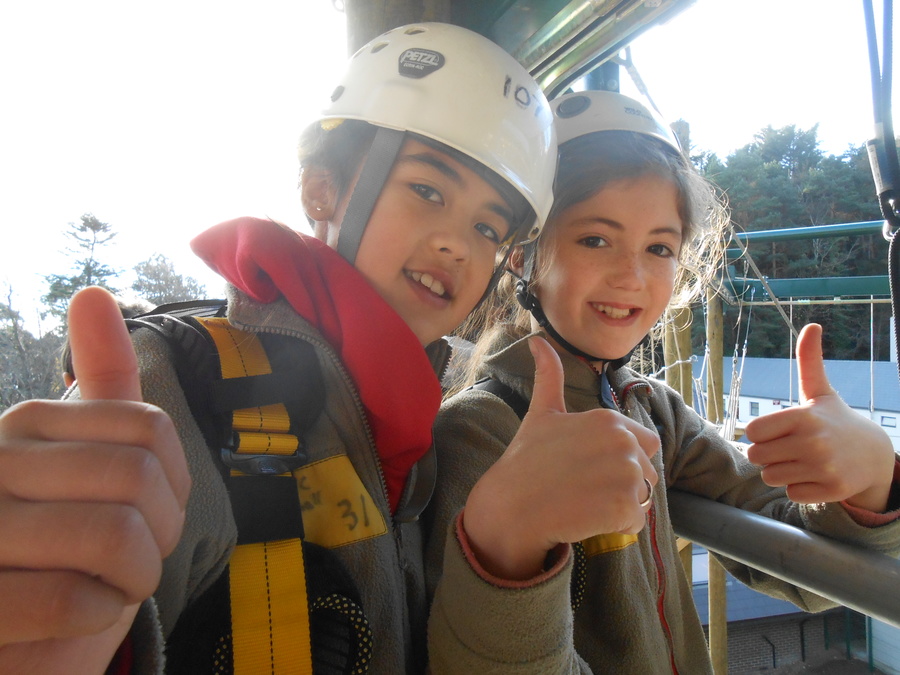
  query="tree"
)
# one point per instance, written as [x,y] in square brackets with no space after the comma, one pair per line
[88,236]
[782,180]
[158,283]
[30,365]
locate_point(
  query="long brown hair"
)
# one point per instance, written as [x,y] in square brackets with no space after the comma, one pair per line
[587,165]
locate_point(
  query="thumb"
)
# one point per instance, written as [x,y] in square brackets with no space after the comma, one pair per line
[548,395]
[102,356]
[811,365]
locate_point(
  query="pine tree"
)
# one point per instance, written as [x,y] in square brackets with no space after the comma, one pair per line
[88,237]
[158,283]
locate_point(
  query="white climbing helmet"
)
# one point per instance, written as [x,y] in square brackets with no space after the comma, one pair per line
[587,112]
[452,85]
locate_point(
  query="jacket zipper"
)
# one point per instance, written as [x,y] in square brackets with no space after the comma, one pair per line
[657,559]
[661,586]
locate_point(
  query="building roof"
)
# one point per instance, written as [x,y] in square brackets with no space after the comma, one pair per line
[853,380]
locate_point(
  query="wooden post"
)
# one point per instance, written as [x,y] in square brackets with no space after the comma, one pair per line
[718,614]
[715,392]
[670,353]
[677,349]
[676,352]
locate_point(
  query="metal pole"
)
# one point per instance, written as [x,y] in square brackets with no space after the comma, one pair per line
[869,651]
[791,360]
[872,359]
[830,301]
[864,580]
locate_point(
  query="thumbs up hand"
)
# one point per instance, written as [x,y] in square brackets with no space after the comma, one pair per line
[564,477]
[92,498]
[822,450]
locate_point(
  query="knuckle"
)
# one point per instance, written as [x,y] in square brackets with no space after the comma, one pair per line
[62,597]
[155,422]
[122,534]
[136,469]
[22,415]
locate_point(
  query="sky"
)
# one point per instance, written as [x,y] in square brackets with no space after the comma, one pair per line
[163,119]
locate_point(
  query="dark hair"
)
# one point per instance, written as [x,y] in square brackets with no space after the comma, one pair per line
[338,146]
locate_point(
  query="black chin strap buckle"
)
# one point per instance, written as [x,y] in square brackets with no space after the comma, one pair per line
[525,298]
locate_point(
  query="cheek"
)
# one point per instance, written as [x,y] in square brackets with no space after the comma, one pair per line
[553,289]
[481,268]
[664,283]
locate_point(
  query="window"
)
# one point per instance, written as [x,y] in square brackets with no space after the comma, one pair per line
[888,421]
[754,409]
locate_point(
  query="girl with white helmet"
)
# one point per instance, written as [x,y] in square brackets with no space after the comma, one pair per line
[435,153]
[564,547]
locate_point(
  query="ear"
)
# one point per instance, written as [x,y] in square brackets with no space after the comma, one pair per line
[516,261]
[318,194]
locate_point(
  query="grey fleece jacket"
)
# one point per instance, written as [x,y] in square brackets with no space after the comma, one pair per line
[477,626]
[388,569]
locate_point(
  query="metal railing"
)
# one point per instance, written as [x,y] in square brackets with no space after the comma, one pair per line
[864,580]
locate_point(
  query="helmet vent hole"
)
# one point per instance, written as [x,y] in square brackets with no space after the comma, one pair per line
[414,31]
[377,48]
[336,94]
[573,106]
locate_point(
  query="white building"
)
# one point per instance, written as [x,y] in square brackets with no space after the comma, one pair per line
[766,385]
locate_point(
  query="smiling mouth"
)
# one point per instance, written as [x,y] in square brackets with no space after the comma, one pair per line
[613,312]
[429,282]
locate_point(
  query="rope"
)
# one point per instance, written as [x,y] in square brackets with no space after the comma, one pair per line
[737,374]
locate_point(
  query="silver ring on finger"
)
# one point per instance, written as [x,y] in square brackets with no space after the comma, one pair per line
[649,498]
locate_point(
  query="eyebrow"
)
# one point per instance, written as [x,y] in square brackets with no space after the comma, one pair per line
[616,225]
[437,163]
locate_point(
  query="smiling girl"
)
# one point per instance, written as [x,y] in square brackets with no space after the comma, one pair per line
[563,558]
[124,534]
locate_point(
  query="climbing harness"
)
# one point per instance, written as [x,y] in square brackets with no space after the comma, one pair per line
[285,604]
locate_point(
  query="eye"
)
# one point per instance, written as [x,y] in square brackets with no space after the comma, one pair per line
[427,192]
[593,241]
[489,232]
[661,250]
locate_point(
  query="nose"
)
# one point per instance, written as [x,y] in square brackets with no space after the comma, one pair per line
[451,241]
[626,272]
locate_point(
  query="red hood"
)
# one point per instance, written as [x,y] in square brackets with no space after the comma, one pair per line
[395,380]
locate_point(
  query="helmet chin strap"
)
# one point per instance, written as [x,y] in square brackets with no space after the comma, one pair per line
[529,301]
[376,168]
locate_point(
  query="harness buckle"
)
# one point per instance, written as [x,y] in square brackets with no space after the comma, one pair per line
[263,465]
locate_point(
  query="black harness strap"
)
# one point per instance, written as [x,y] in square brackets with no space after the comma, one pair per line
[505,393]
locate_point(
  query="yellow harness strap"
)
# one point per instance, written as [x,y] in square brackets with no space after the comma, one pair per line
[269,605]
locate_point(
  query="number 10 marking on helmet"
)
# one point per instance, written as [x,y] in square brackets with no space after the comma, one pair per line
[521,95]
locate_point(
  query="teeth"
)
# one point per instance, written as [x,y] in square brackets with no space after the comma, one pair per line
[613,312]
[429,282]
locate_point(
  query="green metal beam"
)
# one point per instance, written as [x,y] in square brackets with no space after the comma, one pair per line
[816,287]
[811,232]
